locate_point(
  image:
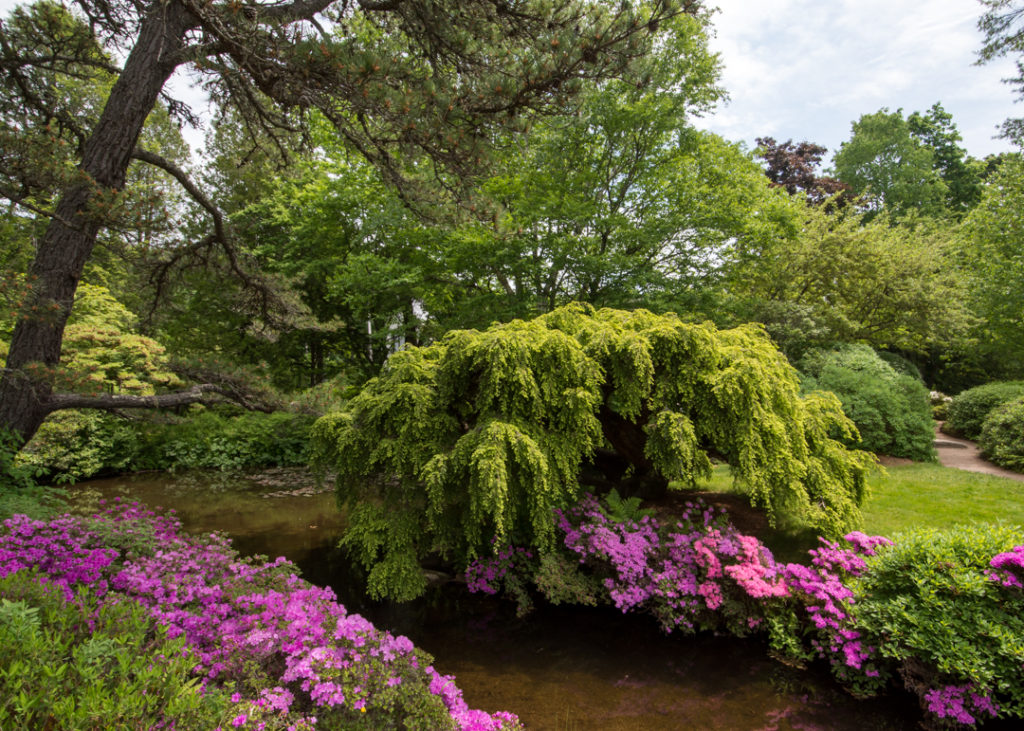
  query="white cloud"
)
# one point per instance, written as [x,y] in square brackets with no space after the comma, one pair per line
[806,69]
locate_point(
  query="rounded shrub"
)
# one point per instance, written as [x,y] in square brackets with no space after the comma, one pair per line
[901,365]
[968,410]
[947,609]
[1002,435]
[891,410]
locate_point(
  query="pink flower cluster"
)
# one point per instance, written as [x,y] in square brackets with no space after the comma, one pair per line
[485,574]
[956,702]
[697,571]
[822,591]
[701,572]
[1009,567]
[237,615]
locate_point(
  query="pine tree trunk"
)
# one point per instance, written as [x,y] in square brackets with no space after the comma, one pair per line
[71,234]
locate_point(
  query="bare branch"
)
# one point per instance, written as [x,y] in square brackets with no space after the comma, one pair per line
[19,200]
[220,229]
[200,393]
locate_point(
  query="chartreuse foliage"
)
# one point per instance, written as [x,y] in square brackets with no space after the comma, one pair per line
[472,442]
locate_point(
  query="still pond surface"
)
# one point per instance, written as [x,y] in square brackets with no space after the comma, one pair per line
[561,668]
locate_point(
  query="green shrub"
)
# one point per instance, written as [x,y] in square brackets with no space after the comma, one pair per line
[78,665]
[1002,435]
[891,410]
[19,492]
[901,365]
[74,445]
[212,440]
[931,605]
[968,409]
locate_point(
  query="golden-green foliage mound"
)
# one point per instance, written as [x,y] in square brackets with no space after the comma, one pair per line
[470,443]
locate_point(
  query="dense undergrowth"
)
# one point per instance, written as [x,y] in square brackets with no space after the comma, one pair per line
[75,445]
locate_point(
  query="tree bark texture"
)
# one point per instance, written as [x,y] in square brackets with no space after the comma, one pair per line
[628,441]
[25,394]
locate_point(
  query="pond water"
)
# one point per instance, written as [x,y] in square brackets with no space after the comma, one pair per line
[561,668]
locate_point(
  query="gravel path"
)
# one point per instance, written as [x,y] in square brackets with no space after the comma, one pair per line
[964,455]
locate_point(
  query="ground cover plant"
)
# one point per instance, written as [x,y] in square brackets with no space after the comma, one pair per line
[86,664]
[937,612]
[484,433]
[285,653]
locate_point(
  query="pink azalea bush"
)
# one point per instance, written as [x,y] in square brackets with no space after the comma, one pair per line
[823,591]
[293,655]
[699,572]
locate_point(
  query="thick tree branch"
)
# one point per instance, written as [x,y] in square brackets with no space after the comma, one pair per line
[200,393]
[298,10]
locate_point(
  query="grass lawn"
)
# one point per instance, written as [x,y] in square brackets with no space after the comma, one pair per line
[932,496]
[905,497]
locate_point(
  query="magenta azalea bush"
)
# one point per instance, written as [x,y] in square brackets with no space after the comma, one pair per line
[942,611]
[288,652]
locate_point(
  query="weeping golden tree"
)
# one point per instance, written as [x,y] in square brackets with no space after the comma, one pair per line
[470,443]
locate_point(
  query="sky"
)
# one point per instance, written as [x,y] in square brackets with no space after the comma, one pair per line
[807,69]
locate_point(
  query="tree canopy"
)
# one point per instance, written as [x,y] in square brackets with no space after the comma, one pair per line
[841,278]
[794,166]
[419,88]
[470,443]
[993,263]
[884,163]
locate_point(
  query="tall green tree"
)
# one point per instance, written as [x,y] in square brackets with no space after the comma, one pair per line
[402,82]
[993,259]
[889,167]
[842,278]
[360,261]
[961,173]
[624,204]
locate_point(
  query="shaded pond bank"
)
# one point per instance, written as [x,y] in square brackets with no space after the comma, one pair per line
[562,668]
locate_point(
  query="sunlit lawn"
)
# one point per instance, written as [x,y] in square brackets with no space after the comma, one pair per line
[904,497]
[929,495]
